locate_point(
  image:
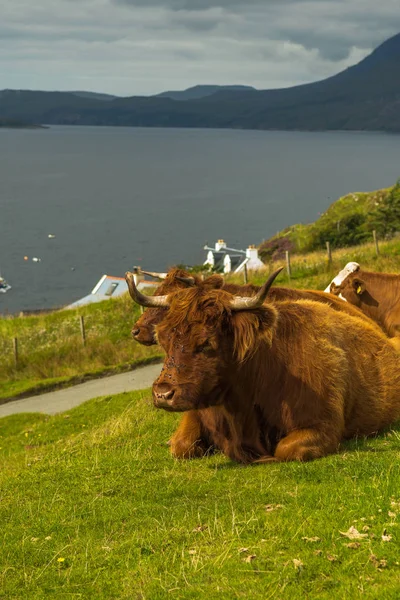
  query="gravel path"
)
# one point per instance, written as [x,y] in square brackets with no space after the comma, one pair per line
[61,400]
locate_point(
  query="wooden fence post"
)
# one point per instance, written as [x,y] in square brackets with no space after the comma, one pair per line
[245,273]
[288,268]
[328,249]
[15,345]
[376,242]
[83,331]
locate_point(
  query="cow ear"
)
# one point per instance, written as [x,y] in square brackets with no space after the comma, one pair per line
[214,282]
[358,286]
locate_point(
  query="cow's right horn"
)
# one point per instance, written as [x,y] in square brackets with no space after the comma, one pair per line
[150,301]
[160,276]
[248,303]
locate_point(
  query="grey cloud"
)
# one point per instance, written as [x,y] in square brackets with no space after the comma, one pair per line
[144,46]
[196,5]
[197,21]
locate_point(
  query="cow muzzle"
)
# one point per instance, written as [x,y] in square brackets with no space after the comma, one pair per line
[143,335]
[163,396]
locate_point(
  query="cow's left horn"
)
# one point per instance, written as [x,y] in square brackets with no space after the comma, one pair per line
[150,301]
[248,303]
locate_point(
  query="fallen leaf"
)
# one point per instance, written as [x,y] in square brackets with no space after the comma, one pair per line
[250,558]
[392,515]
[386,537]
[192,551]
[298,564]
[366,528]
[271,507]
[200,528]
[353,534]
[383,563]
[331,558]
[353,545]
[311,539]
[379,564]
[243,550]
[318,552]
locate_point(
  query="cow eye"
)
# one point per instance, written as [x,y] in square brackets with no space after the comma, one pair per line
[204,348]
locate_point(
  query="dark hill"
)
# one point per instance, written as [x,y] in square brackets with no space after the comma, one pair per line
[363,97]
[201,91]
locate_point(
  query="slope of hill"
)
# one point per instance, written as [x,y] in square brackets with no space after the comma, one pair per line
[95,95]
[364,97]
[201,91]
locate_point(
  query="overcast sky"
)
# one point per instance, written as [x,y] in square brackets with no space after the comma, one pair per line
[133,47]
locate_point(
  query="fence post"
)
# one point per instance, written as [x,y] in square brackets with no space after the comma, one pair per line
[376,242]
[15,345]
[245,273]
[328,249]
[289,270]
[83,331]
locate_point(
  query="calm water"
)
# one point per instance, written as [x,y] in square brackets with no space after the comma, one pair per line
[115,198]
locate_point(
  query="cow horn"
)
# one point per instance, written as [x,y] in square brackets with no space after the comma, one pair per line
[248,303]
[189,281]
[150,301]
[160,276]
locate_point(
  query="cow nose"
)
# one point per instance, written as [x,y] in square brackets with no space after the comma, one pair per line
[135,331]
[163,394]
[168,395]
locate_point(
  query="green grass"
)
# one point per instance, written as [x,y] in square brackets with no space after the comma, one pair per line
[92,506]
[51,353]
[312,270]
[346,221]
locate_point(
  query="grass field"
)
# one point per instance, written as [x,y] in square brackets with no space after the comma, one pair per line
[92,506]
[51,353]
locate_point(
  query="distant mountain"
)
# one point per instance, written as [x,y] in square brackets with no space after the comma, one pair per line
[363,97]
[94,95]
[201,91]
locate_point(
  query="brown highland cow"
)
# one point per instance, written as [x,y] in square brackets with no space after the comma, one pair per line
[296,368]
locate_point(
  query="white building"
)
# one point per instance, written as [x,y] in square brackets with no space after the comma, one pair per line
[112,287]
[231,260]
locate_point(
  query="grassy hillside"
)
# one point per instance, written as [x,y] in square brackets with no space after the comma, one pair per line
[93,507]
[51,352]
[349,220]
[313,271]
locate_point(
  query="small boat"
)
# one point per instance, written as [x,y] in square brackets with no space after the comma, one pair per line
[4,286]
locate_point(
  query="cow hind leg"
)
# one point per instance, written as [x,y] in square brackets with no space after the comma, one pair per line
[188,441]
[306,444]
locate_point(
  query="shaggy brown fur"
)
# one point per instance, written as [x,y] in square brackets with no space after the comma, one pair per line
[377,295]
[295,368]
[144,329]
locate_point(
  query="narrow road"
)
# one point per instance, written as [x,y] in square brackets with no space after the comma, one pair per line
[61,400]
